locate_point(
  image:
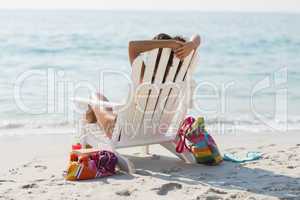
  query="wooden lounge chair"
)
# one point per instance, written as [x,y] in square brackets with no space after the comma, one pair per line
[159,102]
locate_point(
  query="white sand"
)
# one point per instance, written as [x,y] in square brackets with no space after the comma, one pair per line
[32,168]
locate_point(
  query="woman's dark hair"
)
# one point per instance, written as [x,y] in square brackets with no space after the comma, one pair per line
[164,36]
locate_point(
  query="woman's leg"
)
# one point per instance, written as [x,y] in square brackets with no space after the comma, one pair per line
[90,115]
[103,116]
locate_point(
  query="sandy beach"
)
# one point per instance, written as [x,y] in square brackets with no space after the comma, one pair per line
[246,87]
[32,168]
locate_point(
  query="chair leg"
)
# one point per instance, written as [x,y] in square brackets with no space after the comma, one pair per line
[124,163]
[187,157]
[146,149]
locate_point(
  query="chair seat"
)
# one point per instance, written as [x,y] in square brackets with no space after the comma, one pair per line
[155,139]
[94,135]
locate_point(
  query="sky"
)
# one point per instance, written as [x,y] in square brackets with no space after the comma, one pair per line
[202,5]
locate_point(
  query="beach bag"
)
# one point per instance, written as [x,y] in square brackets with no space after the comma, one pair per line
[193,136]
[91,164]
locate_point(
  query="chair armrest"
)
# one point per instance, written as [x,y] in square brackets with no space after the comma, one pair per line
[94,102]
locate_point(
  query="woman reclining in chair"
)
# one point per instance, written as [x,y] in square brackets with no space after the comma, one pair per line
[181,48]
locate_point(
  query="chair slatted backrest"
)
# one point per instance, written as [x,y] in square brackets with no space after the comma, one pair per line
[158,90]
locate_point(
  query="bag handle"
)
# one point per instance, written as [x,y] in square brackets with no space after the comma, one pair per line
[185,126]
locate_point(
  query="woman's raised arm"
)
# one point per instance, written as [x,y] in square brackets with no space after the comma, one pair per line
[137,47]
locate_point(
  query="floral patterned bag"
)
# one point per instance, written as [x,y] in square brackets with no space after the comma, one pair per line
[90,163]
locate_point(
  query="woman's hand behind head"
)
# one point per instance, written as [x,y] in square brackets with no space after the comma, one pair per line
[183,51]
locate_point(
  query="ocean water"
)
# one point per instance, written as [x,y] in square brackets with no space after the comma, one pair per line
[248,75]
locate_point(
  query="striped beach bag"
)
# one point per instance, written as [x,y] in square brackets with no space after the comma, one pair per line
[193,136]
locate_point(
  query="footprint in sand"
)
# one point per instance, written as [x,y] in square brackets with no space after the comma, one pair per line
[123,193]
[7,181]
[291,167]
[155,157]
[39,180]
[142,172]
[13,171]
[171,170]
[40,167]
[28,186]
[217,191]
[165,188]
[209,197]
